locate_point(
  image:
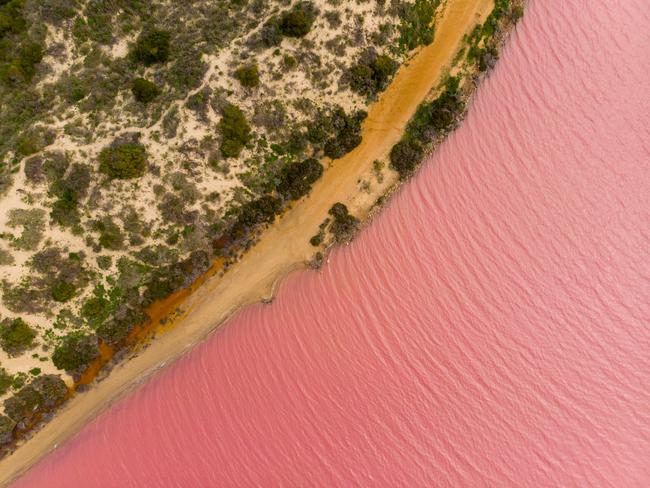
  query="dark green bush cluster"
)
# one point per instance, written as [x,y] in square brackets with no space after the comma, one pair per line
[248,76]
[116,330]
[344,225]
[6,380]
[110,235]
[438,116]
[252,214]
[16,336]
[68,190]
[19,54]
[32,401]
[166,280]
[297,22]
[235,131]
[431,118]
[405,156]
[75,352]
[487,55]
[144,91]
[152,47]
[22,68]
[50,270]
[335,131]
[296,179]
[372,73]
[124,160]
[416,27]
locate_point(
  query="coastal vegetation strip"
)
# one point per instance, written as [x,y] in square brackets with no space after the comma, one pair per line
[248,218]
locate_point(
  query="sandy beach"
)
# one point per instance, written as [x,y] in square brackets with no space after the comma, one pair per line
[283,247]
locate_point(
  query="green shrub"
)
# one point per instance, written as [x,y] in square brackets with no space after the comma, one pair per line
[33,223]
[248,76]
[371,74]
[16,336]
[257,212]
[39,397]
[297,22]
[405,156]
[6,429]
[6,380]
[62,291]
[296,179]
[123,161]
[115,331]
[344,225]
[75,352]
[152,47]
[235,131]
[144,91]
[110,236]
[416,27]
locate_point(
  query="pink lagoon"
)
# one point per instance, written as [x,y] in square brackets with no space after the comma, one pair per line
[491,327]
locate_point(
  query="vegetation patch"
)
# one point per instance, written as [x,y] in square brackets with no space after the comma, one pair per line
[152,47]
[144,91]
[16,336]
[75,352]
[235,131]
[372,73]
[248,76]
[123,160]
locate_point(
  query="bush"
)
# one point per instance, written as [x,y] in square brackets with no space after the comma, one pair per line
[40,396]
[260,211]
[16,336]
[344,225]
[75,352]
[296,179]
[371,74]
[110,236]
[297,22]
[438,116]
[416,28]
[114,332]
[152,47]
[62,291]
[144,91]
[405,156]
[6,429]
[248,76]
[6,380]
[123,161]
[235,131]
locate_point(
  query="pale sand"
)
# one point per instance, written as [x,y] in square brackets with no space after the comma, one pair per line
[283,247]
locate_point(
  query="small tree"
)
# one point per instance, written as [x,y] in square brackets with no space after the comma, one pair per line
[144,91]
[75,352]
[123,161]
[405,156]
[16,336]
[297,22]
[235,131]
[152,47]
[248,76]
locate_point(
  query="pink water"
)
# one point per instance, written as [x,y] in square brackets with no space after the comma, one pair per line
[491,328]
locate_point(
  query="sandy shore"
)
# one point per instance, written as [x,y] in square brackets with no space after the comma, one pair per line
[283,247]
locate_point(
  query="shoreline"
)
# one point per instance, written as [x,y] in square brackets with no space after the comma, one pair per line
[281,249]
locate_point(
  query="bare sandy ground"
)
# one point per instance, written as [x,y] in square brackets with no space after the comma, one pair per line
[283,247]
